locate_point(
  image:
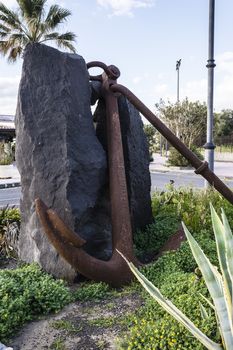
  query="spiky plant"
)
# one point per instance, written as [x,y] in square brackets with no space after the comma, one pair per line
[30,23]
[218,283]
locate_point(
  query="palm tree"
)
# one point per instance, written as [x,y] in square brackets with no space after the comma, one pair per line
[31,24]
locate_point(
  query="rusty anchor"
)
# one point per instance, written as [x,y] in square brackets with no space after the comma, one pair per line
[68,243]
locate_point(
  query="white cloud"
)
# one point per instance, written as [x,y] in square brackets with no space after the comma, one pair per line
[124,7]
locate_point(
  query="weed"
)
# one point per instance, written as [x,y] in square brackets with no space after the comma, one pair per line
[58,344]
[66,326]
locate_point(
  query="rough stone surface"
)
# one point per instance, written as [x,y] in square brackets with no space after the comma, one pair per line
[136,157]
[59,156]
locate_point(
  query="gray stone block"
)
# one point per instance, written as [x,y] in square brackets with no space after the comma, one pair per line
[59,156]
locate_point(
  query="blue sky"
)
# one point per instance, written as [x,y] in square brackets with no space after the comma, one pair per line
[144,38]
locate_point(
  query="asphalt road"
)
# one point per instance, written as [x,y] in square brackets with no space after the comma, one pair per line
[159,181]
[10,196]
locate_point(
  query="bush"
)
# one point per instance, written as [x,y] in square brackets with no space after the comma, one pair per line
[191,206]
[26,293]
[9,230]
[156,234]
[176,159]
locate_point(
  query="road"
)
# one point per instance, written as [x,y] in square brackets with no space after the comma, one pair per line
[158,181]
[10,196]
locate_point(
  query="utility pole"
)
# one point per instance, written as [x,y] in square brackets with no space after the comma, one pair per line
[209,145]
[178,63]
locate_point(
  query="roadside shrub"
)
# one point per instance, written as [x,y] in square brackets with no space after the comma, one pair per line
[9,231]
[26,293]
[191,206]
[8,215]
[176,159]
[156,234]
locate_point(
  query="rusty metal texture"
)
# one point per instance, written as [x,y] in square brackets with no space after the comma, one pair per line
[201,167]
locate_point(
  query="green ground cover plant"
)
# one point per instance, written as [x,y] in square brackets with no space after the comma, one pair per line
[92,291]
[156,234]
[26,293]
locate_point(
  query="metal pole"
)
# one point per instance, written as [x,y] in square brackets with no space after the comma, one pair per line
[178,63]
[209,146]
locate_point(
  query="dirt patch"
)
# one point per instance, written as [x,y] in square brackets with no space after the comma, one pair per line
[81,325]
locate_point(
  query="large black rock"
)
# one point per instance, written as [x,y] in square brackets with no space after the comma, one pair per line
[59,156]
[62,158]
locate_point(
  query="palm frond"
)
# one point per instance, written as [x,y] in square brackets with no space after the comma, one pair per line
[3,47]
[4,28]
[17,29]
[66,45]
[62,40]
[17,39]
[56,16]
[14,53]
[31,8]
[9,18]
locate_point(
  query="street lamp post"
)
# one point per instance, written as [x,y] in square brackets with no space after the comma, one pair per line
[178,63]
[209,145]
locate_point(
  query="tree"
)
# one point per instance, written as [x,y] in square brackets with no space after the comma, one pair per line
[152,137]
[225,122]
[31,24]
[186,119]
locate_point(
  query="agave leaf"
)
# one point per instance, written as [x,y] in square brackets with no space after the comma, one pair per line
[221,243]
[214,283]
[229,257]
[204,313]
[208,302]
[229,245]
[172,309]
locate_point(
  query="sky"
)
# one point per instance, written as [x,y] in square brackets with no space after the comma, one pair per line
[144,39]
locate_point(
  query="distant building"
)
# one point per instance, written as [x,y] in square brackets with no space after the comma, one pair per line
[7,127]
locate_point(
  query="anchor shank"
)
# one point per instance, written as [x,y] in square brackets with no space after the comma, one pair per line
[120,214]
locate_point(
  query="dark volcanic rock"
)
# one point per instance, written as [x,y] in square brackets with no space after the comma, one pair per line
[136,157]
[59,156]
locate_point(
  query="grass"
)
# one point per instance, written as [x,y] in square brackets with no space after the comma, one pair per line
[66,326]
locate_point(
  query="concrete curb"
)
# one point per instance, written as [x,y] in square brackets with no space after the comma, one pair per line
[177,172]
[10,185]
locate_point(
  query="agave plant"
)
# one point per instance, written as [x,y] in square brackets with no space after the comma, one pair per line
[218,284]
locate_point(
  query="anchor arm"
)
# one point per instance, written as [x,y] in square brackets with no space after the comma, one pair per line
[202,168]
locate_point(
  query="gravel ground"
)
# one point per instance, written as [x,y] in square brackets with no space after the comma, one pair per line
[80,326]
